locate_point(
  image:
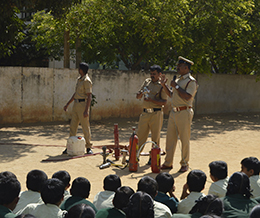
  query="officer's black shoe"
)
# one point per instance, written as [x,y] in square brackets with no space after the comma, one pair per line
[65,151]
[149,161]
[89,151]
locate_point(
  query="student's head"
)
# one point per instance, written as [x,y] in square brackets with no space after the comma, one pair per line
[81,211]
[196,180]
[52,191]
[112,182]
[218,170]
[7,174]
[80,187]
[250,166]
[255,212]
[209,204]
[35,180]
[239,183]
[210,216]
[148,185]
[165,182]
[64,176]
[25,216]
[140,206]
[122,196]
[9,192]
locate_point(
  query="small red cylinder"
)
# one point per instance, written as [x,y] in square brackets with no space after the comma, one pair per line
[117,149]
[133,147]
[156,159]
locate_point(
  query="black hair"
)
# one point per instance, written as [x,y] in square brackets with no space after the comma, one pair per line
[218,169]
[122,196]
[62,175]
[209,204]
[35,180]
[255,212]
[140,206]
[196,180]
[239,183]
[156,67]
[251,163]
[165,182]
[149,185]
[7,174]
[25,216]
[9,190]
[210,216]
[84,67]
[112,182]
[81,211]
[52,191]
[80,187]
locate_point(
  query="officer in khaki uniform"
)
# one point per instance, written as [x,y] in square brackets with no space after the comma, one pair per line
[82,101]
[180,118]
[154,100]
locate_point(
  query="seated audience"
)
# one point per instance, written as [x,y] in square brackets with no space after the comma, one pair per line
[7,174]
[104,199]
[34,182]
[255,212]
[79,191]
[251,167]
[196,180]
[208,205]
[218,174]
[9,196]
[120,202]
[140,206]
[81,211]
[149,185]
[237,202]
[166,185]
[52,195]
[64,176]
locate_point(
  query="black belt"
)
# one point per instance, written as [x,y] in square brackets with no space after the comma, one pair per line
[151,110]
[79,100]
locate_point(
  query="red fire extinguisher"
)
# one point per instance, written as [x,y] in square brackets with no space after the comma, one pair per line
[156,159]
[117,149]
[133,147]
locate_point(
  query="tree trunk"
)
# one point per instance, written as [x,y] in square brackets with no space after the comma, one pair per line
[66,49]
[78,52]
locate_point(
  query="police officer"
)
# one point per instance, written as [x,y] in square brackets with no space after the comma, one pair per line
[82,101]
[154,100]
[180,118]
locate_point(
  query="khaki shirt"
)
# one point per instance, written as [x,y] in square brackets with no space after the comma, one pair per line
[156,92]
[189,84]
[83,87]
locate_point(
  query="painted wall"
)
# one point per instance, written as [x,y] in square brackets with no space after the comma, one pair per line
[39,94]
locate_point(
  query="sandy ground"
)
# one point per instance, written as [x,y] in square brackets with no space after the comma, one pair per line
[216,137]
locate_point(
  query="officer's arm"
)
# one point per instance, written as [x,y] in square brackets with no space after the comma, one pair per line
[88,103]
[71,100]
[139,95]
[182,93]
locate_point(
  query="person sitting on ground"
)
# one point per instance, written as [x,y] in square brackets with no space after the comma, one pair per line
[81,211]
[104,199]
[64,176]
[196,180]
[52,195]
[218,174]
[208,205]
[34,182]
[120,202]
[255,212]
[237,202]
[7,174]
[149,185]
[140,206]
[251,167]
[79,191]
[9,196]
[166,185]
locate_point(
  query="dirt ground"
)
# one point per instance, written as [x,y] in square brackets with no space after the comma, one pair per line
[214,137]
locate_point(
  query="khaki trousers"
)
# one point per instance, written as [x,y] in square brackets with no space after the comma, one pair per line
[179,124]
[150,121]
[77,117]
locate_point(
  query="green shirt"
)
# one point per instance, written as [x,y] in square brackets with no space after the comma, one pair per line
[110,213]
[73,200]
[6,212]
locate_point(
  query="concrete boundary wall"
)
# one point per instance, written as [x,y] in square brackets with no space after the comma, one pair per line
[39,94]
